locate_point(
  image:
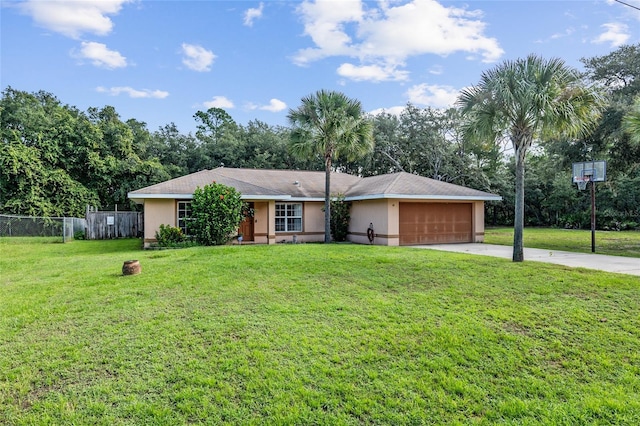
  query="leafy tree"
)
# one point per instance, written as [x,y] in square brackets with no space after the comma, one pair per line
[178,153]
[617,72]
[631,122]
[426,152]
[217,134]
[266,147]
[117,136]
[387,153]
[627,198]
[216,213]
[213,125]
[331,125]
[43,156]
[525,100]
[122,169]
[141,137]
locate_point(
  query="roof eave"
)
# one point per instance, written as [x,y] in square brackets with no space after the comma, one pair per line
[425,197]
[141,197]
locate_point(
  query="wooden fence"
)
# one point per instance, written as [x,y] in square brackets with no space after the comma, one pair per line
[104,225]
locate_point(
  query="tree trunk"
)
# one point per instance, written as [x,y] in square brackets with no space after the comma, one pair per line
[327,200]
[518,220]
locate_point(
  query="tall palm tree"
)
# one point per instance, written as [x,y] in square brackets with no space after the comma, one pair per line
[332,125]
[527,100]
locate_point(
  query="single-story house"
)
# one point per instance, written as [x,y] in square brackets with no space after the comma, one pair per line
[402,208]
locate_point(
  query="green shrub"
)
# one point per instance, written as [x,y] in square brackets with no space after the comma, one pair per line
[340,216]
[216,213]
[169,236]
[78,235]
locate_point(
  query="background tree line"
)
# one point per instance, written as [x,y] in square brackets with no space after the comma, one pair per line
[56,159]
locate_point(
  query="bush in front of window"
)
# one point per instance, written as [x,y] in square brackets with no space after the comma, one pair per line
[216,213]
[169,236]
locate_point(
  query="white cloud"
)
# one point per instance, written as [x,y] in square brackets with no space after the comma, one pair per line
[73,18]
[392,32]
[100,55]
[324,22]
[373,73]
[566,33]
[218,102]
[426,26]
[133,93]
[394,110]
[435,96]
[197,58]
[275,105]
[555,36]
[616,34]
[436,70]
[252,14]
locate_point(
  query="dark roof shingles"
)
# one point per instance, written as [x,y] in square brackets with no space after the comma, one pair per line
[310,184]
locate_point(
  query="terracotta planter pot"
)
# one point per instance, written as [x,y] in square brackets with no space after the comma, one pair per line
[131,267]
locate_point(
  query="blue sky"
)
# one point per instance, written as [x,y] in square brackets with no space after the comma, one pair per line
[162,61]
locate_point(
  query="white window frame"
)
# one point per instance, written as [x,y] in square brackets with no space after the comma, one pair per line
[182,221]
[288,216]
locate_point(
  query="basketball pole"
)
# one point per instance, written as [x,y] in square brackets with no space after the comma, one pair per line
[583,173]
[593,216]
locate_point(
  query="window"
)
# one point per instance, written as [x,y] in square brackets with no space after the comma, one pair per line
[288,217]
[184,214]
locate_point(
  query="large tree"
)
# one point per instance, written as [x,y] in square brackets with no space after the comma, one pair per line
[331,125]
[618,74]
[631,122]
[526,100]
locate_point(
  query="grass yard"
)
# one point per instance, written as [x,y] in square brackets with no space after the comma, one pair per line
[310,334]
[615,243]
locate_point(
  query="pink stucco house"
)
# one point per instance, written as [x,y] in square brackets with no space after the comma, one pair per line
[404,209]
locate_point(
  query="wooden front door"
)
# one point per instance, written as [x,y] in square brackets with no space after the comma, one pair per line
[246,227]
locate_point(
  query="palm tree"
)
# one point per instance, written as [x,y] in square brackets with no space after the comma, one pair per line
[526,100]
[331,125]
[631,121]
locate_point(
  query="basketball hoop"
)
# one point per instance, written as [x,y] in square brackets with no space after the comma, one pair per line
[590,171]
[582,181]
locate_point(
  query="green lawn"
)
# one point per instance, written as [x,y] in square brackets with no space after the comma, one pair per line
[625,243]
[310,334]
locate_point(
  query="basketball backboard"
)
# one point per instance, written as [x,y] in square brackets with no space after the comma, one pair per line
[590,171]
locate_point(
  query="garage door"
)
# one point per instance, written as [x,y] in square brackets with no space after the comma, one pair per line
[437,223]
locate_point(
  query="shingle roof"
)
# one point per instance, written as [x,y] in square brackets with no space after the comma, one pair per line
[298,185]
[402,185]
[186,185]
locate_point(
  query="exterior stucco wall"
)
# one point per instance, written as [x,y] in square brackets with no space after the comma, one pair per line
[478,221]
[313,222]
[383,214]
[157,212]
[312,225]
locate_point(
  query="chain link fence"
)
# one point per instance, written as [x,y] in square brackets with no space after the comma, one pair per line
[30,226]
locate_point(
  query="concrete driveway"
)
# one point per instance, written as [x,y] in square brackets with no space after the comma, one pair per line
[621,265]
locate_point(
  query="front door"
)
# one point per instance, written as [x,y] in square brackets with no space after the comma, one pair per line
[246,227]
